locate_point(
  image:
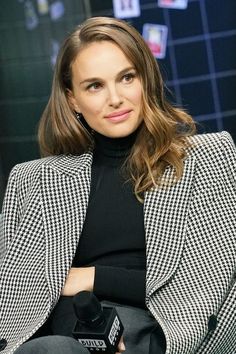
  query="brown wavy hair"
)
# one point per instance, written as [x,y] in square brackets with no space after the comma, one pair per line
[161,139]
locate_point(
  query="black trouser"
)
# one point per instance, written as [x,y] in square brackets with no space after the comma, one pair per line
[52,345]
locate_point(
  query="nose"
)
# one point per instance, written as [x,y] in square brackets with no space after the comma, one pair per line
[114,96]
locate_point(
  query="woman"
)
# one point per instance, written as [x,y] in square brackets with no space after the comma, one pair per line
[130,204]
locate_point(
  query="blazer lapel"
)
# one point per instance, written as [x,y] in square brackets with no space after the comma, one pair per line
[165,219]
[65,194]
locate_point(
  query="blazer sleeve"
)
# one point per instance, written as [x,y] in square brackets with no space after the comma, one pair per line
[229,157]
[10,214]
[120,285]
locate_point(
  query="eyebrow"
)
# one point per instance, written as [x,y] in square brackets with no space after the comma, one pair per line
[93,79]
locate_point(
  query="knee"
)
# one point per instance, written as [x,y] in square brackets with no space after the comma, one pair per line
[52,345]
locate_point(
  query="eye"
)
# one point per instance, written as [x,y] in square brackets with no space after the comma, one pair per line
[127,78]
[94,86]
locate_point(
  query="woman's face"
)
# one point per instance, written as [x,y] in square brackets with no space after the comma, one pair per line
[106,90]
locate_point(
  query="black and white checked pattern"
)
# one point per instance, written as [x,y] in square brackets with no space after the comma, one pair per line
[190,236]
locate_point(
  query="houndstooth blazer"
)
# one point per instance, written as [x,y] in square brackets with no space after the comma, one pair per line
[190,239]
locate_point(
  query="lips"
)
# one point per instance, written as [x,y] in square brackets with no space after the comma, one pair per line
[118,116]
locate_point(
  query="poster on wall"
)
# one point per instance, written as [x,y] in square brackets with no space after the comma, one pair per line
[126,8]
[57,10]
[173,4]
[43,7]
[156,38]
[31,18]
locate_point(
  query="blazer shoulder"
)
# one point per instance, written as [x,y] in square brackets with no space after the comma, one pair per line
[215,156]
[213,145]
[33,167]
[62,164]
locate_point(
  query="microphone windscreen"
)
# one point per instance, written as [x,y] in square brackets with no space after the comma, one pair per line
[87,308]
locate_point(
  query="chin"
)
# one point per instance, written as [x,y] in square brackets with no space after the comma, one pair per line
[120,132]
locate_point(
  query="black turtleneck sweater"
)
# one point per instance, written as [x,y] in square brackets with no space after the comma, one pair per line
[113,238]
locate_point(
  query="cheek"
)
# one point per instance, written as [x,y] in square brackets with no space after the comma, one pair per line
[136,96]
[91,105]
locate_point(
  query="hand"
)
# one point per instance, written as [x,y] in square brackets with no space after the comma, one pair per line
[121,346]
[79,279]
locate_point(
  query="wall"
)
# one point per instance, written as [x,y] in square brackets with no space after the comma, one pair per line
[199,68]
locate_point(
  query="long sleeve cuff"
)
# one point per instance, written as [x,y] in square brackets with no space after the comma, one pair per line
[126,286]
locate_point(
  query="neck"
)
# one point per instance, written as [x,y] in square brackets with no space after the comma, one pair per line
[114,147]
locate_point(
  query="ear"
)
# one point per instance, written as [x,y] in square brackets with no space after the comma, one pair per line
[72,101]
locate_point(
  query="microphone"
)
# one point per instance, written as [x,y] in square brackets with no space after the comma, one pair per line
[98,328]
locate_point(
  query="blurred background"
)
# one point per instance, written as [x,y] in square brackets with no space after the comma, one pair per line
[194,42]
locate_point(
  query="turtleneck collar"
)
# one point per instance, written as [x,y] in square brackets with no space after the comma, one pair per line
[114,147]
